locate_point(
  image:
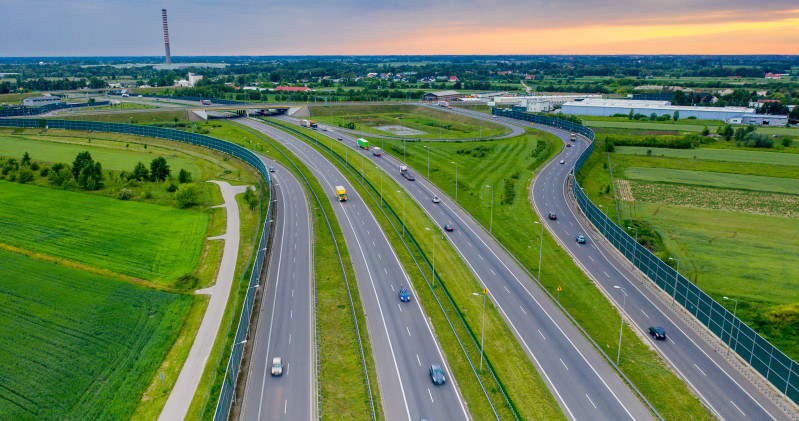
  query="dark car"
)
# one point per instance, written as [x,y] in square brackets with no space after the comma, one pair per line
[568,145]
[552,216]
[340,138]
[657,332]
[437,375]
[271,169]
[580,239]
[449,227]
[404,296]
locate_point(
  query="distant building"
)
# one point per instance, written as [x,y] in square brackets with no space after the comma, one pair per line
[453,78]
[441,96]
[764,119]
[609,107]
[540,103]
[38,101]
[194,78]
[292,88]
[773,76]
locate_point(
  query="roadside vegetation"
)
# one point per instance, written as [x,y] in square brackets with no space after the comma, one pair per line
[508,165]
[718,208]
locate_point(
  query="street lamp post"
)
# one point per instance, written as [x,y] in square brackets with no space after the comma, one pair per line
[636,242]
[428,161]
[676,278]
[735,310]
[434,255]
[621,328]
[491,212]
[483,328]
[456,180]
[403,214]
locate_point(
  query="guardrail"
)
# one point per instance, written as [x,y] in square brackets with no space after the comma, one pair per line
[228,385]
[781,371]
[23,111]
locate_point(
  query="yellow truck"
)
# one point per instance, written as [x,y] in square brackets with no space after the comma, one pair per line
[341,193]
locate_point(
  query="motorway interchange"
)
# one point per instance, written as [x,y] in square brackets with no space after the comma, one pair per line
[584,383]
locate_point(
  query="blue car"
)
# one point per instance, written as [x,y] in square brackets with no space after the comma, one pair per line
[580,239]
[404,296]
[437,375]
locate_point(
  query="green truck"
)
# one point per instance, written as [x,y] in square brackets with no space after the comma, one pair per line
[363,143]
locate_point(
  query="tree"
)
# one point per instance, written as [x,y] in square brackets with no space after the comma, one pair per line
[187,195]
[726,131]
[139,173]
[82,160]
[91,177]
[794,115]
[26,159]
[184,176]
[25,175]
[786,141]
[705,131]
[159,169]
[675,116]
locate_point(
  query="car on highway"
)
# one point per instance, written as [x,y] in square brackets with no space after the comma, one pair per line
[340,138]
[404,295]
[580,239]
[493,116]
[553,216]
[657,332]
[436,199]
[271,169]
[437,375]
[562,161]
[277,366]
[449,227]
[568,145]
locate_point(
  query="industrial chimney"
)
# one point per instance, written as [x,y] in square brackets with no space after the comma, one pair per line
[166,37]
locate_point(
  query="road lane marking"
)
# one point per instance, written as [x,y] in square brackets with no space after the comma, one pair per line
[589,400]
[592,259]
[285,405]
[292,293]
[564,364]
[644,314]
[400,307]
[481,257]
[289,341]
[700,370]
[431,395]
[736,407]
[606,274]
[385,270]
[409,330]
[525,313]
[506,289]
[291,314]
[418,360]
[542,335]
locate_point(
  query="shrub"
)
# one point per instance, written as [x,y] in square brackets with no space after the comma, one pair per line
[184,176]
[171,187]
[43,171]
[250,198]
[26,159]
[91,177]
[125,194]
[758,140]
[34,166]
[25,175]
[59,177]
[787,141]
[139,173]
[187,195]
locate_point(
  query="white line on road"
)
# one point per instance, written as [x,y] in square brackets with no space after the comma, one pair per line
[292,293]
[400,307]
[385,270]
[589,400]
[285,405]
[418,360]
[409,330]
[506,289]
[700,370]
[542,335]
[606,274]
[736,407]
[564,364]
[644,314]
[392,287]
[431,395]
[289,341]
[525,313]
[589,256]
[291,314]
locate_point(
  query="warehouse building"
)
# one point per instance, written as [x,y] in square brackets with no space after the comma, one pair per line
[609,107]
[540,103]
[441,96]
[38,101]
[761,120]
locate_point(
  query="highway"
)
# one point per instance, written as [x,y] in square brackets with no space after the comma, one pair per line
[701,363]
[285,320]
[403,343]
[582,382]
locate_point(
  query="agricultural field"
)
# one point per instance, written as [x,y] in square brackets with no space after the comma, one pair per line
[430,122]
[682,125]
[728,213]
[140,117]
[54,148]
[95,350]
[156,243]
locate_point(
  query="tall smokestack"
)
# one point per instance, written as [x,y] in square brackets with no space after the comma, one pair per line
[166,37]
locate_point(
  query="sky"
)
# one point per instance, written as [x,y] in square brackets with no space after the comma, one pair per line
[42,28]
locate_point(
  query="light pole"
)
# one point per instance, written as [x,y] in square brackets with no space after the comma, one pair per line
[483,328]
[676,276]
[404,155]
[434,255]
[456,180]
[636,242]
[624,303]
[540,249]
[733,323]
[403,214]
[491,213]
[428,161]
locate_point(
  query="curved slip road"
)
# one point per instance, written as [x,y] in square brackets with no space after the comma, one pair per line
[285,320]
[403,343]
[701,363]
[177,405]
[582,382]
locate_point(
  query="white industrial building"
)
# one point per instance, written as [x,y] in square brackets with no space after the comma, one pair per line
[540,103]
[609,107]
[761,120]
[193,79]
[38,101]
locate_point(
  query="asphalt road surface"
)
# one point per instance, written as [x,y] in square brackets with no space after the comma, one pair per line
[721,386]
[582,382]
[285,321]
[403,343]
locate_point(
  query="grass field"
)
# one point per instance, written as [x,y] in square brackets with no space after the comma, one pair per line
[715,179]
[694,126]
[434,123]
[64,149]
[713,154]
[145,241]
[143,117]
[78,346]
[515,230]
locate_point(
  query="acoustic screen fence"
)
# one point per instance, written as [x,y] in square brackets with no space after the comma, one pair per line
[23,111]
[774,365]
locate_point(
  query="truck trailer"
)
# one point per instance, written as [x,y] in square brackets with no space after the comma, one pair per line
[377,151]
[206,102]
[404,172]
[363,143]
[341,193]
